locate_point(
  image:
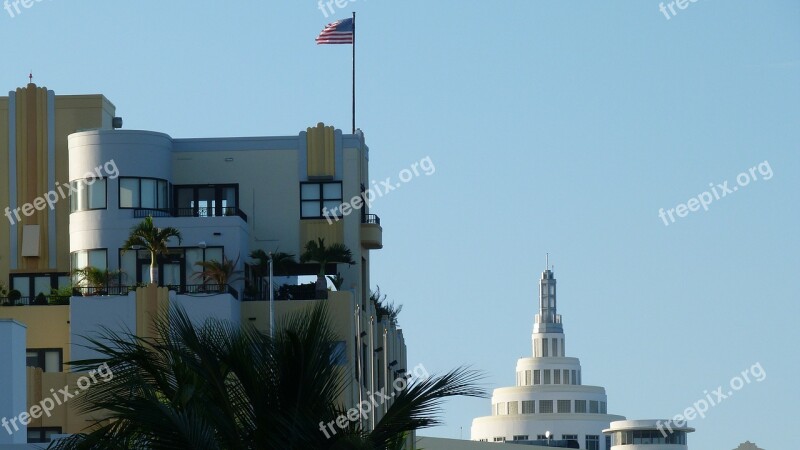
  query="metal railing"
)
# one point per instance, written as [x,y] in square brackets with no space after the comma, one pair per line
[371,218]
[36,301]
[227,211]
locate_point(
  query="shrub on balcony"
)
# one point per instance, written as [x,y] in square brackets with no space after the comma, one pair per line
[318,252]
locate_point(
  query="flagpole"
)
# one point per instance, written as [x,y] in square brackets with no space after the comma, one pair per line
[354,72]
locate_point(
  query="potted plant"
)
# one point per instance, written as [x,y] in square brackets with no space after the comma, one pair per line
[318,252]
[97,281]
[218,273]
[14,296]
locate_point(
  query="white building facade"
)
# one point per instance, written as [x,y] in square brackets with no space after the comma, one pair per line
[549,399]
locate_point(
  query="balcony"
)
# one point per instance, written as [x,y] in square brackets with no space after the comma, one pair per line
[228,211]
[371,232]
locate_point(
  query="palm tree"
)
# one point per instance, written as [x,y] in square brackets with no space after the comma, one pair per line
[223,386]
[146,235]
[282,264]
[316,251]
[220,273]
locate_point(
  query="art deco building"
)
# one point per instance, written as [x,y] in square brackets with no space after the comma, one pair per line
[549,399]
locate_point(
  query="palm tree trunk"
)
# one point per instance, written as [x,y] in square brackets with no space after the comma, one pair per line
[153,274]
[321,287]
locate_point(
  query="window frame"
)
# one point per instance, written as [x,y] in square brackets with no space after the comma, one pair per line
[167,198]
[75,194]
[41,359]
[322,200]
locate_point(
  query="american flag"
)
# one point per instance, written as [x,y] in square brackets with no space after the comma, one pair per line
[339,32]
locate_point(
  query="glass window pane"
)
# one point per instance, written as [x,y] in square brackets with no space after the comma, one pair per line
[97,194]
[229,197]
[128,193]
[332,191]
[149,194]
[52,361]
[97,258]
[309,191]
[81,260]
[127,265]
[310,209]
[185,197]
[162,195]
[193,256]
[42,285]
[214,254]
[73,198]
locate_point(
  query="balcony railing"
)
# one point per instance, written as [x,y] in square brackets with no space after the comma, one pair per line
[141,213]
[35,301]
[371,218]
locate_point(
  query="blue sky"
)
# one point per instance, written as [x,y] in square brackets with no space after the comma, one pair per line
[558,127]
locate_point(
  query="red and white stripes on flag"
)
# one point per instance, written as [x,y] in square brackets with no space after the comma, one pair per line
[339,32]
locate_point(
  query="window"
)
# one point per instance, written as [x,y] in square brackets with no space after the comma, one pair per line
[537,377]
[592,442]
[527,378]
[520,437]
[42,435]
[555,347]
[544,347]
[603,408]
[528,406]
[90,258]
[85,196]
[47,359]
[545,406]
[569,437]
[499,439]
[547,376]
[556,376]
[143,193]
[608,442]
[566,376]
[541,436]
[593,407]
[574,377]
[318,200]
[502,409]
[31,285]
[536,346]
[563,350]
[339,354]
[580,406]
[564,406]
[513,408]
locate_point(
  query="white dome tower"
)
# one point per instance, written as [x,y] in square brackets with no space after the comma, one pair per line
[549,395]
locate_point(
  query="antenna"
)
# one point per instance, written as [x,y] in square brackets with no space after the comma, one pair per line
[30,76]
[546,261]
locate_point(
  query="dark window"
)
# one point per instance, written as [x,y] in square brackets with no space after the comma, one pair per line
[42,435]
[206,200]
[47,359]
[319,200]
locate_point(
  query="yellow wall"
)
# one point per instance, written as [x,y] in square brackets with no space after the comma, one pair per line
[72,113]
[5,226]
[48,326]
[320,148]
